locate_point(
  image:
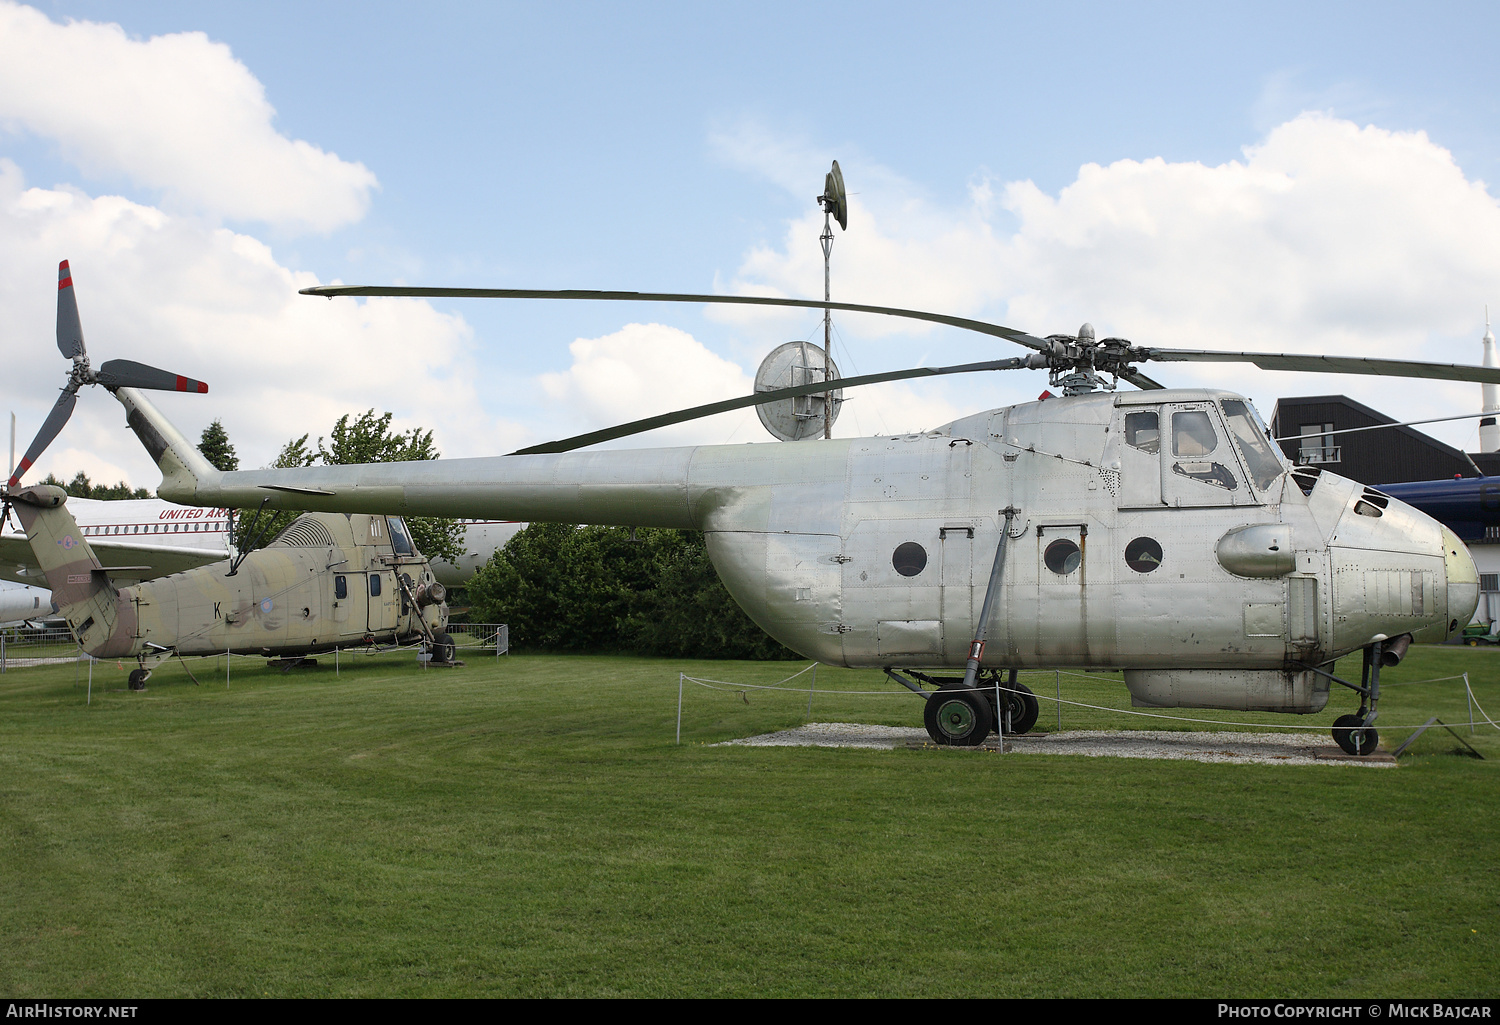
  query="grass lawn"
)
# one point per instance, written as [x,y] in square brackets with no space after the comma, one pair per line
[527,827]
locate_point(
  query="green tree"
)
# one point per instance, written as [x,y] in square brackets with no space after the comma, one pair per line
[81,487]
[371,440]
[215,446]
[688,613]
[367,439]
[252,531]
[567,588]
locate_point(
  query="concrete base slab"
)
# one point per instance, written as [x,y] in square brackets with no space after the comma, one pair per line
[1248,748]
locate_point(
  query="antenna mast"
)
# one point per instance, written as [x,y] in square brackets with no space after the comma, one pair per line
[835,206]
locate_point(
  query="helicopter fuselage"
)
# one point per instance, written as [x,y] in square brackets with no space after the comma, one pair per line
[1157,532]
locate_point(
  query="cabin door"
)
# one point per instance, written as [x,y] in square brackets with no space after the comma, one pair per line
[1198,465]
[1074,615]
[1133,450]
[383,598]
[958,597]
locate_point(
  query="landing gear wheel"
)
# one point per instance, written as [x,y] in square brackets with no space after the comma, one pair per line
[138,678]
[1354,736]
[1020,703]
[443,648]
[958,718]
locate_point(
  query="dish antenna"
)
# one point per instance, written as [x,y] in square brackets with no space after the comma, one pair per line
[801,416]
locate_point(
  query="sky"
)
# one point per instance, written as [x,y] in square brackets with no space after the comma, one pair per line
[1266,176]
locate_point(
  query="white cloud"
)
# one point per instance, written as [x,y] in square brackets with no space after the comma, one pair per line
[646,369]
[213,304]
[176,113]
[1327,237]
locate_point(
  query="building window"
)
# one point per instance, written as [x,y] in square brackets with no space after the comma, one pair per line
[1489,581]
[1317,444]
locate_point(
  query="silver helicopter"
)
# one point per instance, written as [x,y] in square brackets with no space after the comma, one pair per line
[1155,531]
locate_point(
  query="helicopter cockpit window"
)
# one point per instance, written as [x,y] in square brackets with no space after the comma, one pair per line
[1193,436]
[1261,456]
[400,541]
[1142,432]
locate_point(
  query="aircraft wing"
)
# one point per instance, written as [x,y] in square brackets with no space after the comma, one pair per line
[126,562]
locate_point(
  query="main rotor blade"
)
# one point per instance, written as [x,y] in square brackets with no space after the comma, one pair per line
[69,328]
[757,399]
[61,411]
[983,327]
[126,373]
[1310,364]
[1141,381]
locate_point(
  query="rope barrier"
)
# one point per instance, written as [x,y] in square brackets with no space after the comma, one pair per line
[724,686]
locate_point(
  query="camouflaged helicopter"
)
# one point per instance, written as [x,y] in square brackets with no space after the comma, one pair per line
[328,580]
[1154,531]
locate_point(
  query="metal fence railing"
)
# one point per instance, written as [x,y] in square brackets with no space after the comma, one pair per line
[23,646]
[485,636]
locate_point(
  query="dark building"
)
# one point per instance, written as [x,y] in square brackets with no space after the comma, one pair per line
[1398,454]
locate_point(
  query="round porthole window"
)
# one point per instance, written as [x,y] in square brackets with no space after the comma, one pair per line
[1143,554]
[909,558]
[1062,556]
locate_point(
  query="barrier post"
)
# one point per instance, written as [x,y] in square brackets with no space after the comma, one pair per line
[679,707]
[1469,694]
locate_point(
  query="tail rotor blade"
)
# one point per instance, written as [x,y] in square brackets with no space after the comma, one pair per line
[50,428]
[125,373]
[69,328]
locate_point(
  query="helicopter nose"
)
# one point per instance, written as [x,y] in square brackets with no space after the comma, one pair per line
[1463,582]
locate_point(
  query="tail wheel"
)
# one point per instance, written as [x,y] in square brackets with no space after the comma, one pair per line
[958,718]
[1351,734]
[138,678]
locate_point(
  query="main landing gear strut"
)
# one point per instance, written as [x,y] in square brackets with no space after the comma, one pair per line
[964,711]
[1355,733]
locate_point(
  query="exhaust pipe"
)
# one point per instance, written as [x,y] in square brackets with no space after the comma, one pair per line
[1395,651]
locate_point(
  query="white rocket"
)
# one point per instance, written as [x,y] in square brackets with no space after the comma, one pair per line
[1489,431]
